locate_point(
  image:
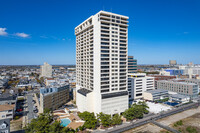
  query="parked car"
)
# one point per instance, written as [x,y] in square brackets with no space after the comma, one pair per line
[35,111]
[19,110]
[34,101]
[18,113]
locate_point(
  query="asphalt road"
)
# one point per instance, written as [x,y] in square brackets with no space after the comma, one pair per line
[128,126]
[30,107]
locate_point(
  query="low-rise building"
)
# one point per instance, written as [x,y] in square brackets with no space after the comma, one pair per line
[153,95]
[196,81]
[7,111]
[174,72]
[138,83]
[8,97]
[188,89]
[179,98]
[164,73]
[161,77]
[192,70]
[49,81]
[3,84]
[54,97]
[5,126]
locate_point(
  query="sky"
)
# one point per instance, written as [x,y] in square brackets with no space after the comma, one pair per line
[37,31]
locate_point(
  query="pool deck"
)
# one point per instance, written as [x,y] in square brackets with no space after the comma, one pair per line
[75,120]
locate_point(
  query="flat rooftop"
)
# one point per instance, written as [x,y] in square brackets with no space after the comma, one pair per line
[179,96]
[84,91]
[170,81]
[157,91]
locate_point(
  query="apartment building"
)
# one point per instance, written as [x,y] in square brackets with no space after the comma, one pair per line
[188,89]
[7,111]
[195,81]
[46,70]
[192,70]
[161,77]
[54,97]
[132,65]
[138,83]
[172,62]
[101,63]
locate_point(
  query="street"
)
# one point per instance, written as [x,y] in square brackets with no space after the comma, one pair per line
[128,126]
[30,114]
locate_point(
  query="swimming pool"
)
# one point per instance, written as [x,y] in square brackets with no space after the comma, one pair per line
[65,122]
[171,104]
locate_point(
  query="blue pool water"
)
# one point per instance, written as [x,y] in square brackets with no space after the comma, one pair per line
[65,122]
[171,104]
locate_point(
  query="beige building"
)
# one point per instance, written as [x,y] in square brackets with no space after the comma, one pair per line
[189,89]
[196,81]
[46,70]
[153,95]
[7,111]
[172,62]
[53,98]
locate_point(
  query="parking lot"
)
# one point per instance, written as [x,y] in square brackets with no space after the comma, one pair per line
[32,108]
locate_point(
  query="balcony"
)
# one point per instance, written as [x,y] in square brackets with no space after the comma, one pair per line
[104,43]
[105,55]
[104,51]
[105,47]
[104,31]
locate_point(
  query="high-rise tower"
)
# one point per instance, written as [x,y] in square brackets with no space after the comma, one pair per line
[46,70]
[101,63]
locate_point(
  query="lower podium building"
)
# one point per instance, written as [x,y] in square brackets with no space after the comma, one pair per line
[110,103]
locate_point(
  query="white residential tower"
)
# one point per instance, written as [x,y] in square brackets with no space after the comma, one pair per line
[101,63]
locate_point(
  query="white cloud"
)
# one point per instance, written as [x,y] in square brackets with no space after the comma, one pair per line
[185,32]
[23,35]
[3,32]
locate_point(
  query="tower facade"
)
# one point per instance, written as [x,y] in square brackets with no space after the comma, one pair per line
[132,65]
[46,70]
[101,63]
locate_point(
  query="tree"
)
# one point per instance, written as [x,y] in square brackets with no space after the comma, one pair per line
[81,128]
[129,114]
[45,124]
[105,119]
[136,111]
[144,107]
[89,118]
[55,127]
[116,119]
[67,130]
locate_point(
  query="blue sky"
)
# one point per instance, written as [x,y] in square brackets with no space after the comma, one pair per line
[35,31]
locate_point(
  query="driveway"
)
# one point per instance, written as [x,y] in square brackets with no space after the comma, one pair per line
[30,107]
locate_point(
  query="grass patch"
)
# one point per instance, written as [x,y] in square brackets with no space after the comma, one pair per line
[191,129]
[16,117]
[178,123]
